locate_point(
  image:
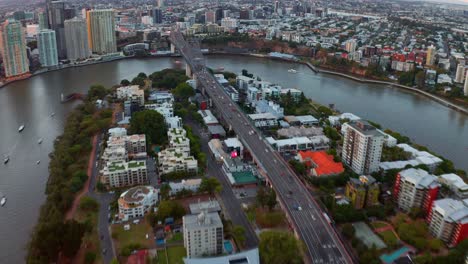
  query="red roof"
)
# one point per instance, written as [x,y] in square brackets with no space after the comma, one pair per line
[325,165]
[138,258]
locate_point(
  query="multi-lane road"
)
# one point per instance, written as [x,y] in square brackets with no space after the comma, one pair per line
[309,223]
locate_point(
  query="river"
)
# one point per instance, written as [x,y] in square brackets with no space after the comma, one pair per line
[31,102]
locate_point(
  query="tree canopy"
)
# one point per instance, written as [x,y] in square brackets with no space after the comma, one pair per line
[183,92]
[278,247]
[210,185]
[150,123]
[170,209]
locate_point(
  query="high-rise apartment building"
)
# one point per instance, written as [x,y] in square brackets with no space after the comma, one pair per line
[415,188]
[56,18]
[101,31]
[460,73]
[76,39]
[362,147]
[120,173]
[465,89]
[156,13]
[210,17]
[277,5]
[363,192]
[13,49]
[350,45]
[448,220]
[203,234]
[42,19]
[430,56]
[47,46]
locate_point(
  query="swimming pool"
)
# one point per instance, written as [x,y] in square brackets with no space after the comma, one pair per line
[228,246]
[389,258]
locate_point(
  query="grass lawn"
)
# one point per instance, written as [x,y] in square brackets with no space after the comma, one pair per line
[177,237]
[389,238]
[175,254]
[136,234]
[378,224]
[273,219]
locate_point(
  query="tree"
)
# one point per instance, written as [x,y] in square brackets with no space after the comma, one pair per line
[142,75]
[90,257]
[435,245]
[170,209]
[72,236]
[97,91]
[183,92]
[348,230]
[138,81]
[164,191]
[262,196]
[210,185]
[125,82]
[88,204]
[278,247]
[271,202]
[239,235]
[150,123]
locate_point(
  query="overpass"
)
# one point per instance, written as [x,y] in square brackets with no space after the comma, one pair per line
[303,212]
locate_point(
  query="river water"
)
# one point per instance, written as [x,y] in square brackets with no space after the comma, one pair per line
[31,102]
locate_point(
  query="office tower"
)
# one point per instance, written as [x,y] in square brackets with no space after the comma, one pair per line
[47,46]
[430,57]
[19,15]
[448,220]
[465,90]
[203,234]
[219,14]
[210,17]
[157,16]
[226,13]
[101,31]
[69,13]
[363,192]
[76,39]
[362,147]
[351,45]
[244,14]
[13,49]
[460,74]
[56,16]
[160,3]
[276,7]
[42,19]
[415,188]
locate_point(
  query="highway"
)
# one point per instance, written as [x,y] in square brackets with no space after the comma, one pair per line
[320,239]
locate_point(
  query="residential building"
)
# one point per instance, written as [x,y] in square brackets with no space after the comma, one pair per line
[456,185]
[460,73]
[320,163]
[417,158]
[189,185]
[132,93]
[136,202]
[210,17]
[430,55]
[47,47]
[229,23]
[465,87]
[448,220]
[209,206]
[363,192]
[415,188]
[178,140]
[251,256]
[56,17]
[121,174]
[161,97]
[263,106]
[76,39]
[172,160]
[351,45]
[13,49]
[362,147]
[264,120]
[101,31]
[203,234]
[157,16]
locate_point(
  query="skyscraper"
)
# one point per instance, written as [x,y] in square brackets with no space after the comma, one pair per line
[203,234]
[351,45]
[56,16]
[460,74]
[430,57]
[276,7]
[362,147]
[76,39]
[160,3]
[47,46]
[42,19]
[13,49]
[210,17]
[465,90]
[101,31]
[157,16]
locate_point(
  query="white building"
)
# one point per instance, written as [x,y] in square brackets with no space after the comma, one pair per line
[132,93]
[336,120]
[178,140]
[47,46]
[161,97]
[456,184]
[172,160]
[203,234]
[351,45]
[264,120]
[362,147]
[190,185]
[448,220]
[120,174]
[208,117]
[460,73]
[229,23]
[137,201]
[417,158]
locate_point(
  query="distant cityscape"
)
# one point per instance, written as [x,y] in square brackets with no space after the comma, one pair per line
[203,165]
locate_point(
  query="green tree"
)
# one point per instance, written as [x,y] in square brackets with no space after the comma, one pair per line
[150,123]
[88,204]
[97,91]
[271,201]
[125,82]
[90,257]
[278,247]
[142,75]
[164,191]
[348,230]
[239,235]
[210,185]
[138,81]
[170,209]
[72,236]
[183,92]
[262,196]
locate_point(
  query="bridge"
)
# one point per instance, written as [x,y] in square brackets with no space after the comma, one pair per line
[305,215]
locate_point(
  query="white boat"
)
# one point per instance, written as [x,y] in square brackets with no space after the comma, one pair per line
[292,71]
[37,162]
[21,128]
[52,114]
[39,141]
[6,159]
[3,201]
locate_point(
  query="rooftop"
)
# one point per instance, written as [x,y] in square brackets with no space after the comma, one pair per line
[323,162]
[245,257]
